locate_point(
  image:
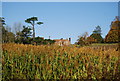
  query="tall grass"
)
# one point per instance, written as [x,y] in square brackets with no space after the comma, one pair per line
[59,62]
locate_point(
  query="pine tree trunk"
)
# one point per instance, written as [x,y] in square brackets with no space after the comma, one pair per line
[33,31]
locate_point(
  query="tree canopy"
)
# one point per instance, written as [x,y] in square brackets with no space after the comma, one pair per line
[96,35]
[113,35]
[33,22]
[97,30]
[2,21]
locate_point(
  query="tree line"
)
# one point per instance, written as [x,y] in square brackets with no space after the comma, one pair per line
[95,37]
[113,35]
[26,35]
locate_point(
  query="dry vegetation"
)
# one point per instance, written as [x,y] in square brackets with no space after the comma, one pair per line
[59,62]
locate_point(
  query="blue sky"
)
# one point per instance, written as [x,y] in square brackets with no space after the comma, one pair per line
[62,19]
[59,0]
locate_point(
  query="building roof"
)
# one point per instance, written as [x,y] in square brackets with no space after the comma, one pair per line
[61,40]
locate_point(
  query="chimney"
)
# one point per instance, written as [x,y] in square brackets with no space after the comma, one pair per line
[61,38]
[70,40]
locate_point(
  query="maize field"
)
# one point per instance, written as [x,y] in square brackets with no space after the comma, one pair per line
[50,62]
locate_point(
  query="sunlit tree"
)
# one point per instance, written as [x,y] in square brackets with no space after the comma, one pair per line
[113,35]
[97,35]
[33,22]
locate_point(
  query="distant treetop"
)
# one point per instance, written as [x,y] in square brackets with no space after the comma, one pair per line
[97,30]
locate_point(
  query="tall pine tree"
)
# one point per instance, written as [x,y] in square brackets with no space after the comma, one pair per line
[96,35]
